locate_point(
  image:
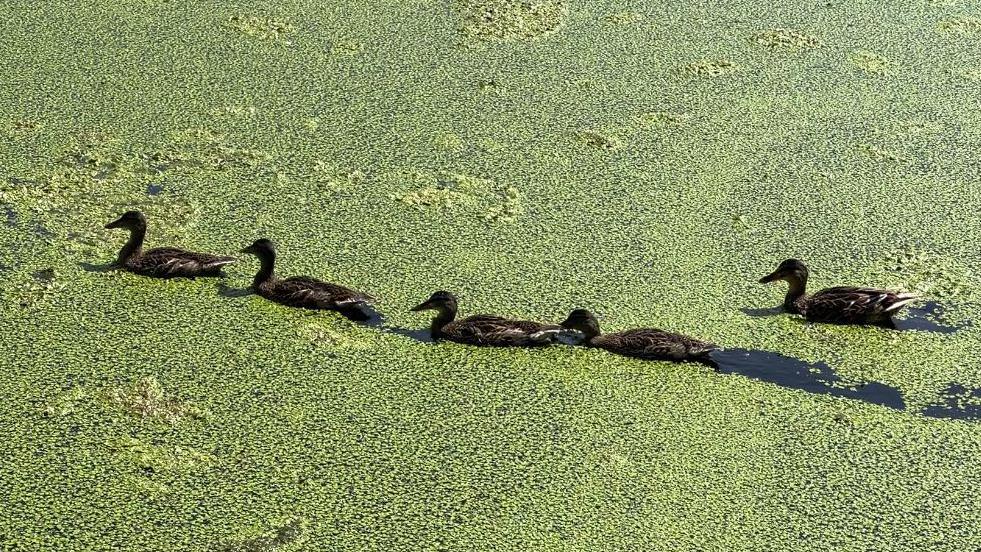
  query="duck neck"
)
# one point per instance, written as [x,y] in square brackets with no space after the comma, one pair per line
[444,315]
[133,245]
[797,287]
[590,332]
[267,262]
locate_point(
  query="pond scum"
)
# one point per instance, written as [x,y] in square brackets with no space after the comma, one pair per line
[646,161]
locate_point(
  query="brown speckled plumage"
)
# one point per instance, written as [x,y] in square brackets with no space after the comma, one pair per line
[839,305]
[300,291]
[644,343]
[162,262]
[484,329]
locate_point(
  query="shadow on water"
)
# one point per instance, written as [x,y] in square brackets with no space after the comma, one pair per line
[374,319]
[926,318]
[760,313]
[232,293]
[90,267]
[792,373]
[958,402]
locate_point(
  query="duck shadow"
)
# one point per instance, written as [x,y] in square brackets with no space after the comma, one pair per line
[761,313]
[926,318]
[958,402]
[91,267]
[230,292]
[369,316]
[817,377]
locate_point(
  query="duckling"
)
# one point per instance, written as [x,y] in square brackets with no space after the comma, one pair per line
[162,262]
[303,291]
[839,305]
[483,329]
[644,343]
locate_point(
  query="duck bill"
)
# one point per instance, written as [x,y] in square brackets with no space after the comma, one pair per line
[247,250]
[772,277]
[114,224]
[422,307]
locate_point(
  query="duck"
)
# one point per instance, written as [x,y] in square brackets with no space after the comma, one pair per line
[303,291]
[162,262]
[837,305]
[483,329]
[642,343]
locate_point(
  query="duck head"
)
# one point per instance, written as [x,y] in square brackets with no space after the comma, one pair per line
[260,248]
[791,270]
[583,321]
[129,220]
[442,301]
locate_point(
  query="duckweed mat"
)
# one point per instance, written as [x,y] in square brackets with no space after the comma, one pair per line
[646,160]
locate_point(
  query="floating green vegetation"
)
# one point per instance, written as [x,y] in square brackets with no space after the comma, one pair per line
[624,17]
[509,20]
[325,334]
[345,47]
[959,398]
[151,458]
[786,38]
[880,153]
[449,142]
[236,111]
[971,74]
[202,149]
[34,289]
[146,398]
[374,441]
[870,63]
[285,537]
[264,28]
[448,191]
[655,119]
[334,179]
[66,403]
[599,140]
[19,127]
[961,25]
[711,68]
[934,275]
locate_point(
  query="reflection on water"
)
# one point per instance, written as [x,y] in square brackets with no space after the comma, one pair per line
[792,373]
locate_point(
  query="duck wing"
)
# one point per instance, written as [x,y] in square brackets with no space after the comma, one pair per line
[169,262]
[490,330]
[654,344]
[854,305]
[310,293]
